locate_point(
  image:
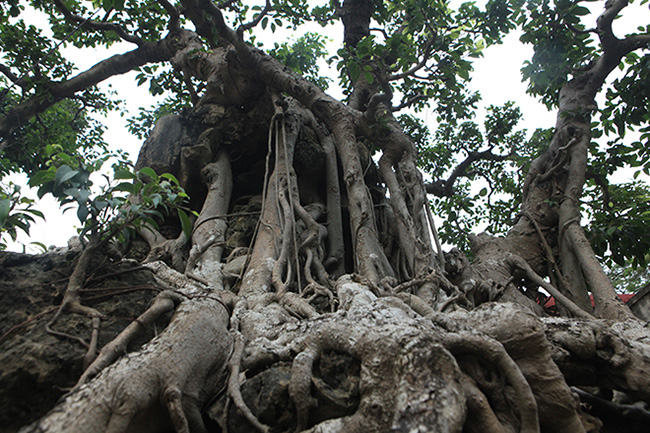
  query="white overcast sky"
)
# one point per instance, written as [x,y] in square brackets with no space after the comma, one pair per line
[496,76]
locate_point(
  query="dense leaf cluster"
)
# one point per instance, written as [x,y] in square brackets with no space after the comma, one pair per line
[418,52]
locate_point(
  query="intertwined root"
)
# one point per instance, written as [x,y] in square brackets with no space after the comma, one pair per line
[489,369]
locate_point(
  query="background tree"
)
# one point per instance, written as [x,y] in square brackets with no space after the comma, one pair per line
[311,291]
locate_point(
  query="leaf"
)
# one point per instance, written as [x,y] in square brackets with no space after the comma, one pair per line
[580,11]
[126,187]
[40,245]
[150,173]
[186,224]
[170,177]
[5,207]
[42,177]
[355,72]
[64,173]
[124,174]
[82,213]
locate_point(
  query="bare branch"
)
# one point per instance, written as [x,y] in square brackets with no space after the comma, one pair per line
[604,23]
[409,102]
[13,77]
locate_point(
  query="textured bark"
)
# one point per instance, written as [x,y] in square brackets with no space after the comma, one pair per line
[336,314]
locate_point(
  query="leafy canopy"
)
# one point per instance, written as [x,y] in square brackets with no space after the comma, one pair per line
[419,52]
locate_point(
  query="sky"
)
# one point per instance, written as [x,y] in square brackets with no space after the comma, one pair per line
[496,75]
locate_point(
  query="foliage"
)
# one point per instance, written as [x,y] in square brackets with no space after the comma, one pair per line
[482,169]
[128,199]
[628,278]
[302,56]
[619,227]
[16,213]
[556,30]
[66,124]
[421,51]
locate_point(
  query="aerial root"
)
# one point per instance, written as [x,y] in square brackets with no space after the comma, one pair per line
[71,304]
[494,352]
[481,418]
[297,305]
[331,336]
[610,408]
[163,249]
[172,396]
[520,264]
[164,302]
[234,388]
[300,385]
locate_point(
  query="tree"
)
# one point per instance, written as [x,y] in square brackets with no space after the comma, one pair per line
[336,309]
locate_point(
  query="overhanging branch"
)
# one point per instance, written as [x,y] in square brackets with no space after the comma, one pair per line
[118,64]
[97,25]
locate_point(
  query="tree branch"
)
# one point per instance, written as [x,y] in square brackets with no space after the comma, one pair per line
[174,15]
[6,71]
[256,21]
[96,25]
[149,52]
[461,170]
[414,69]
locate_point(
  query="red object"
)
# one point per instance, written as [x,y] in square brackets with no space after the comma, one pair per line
[550,302]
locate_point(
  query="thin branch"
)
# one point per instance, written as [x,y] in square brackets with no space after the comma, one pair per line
[578,31]
[425,58]
[244,27]
[149,52]
[517,263]
[601,182]
[6,71]
[405,104]
[96,25]
[461,168]
[174,15]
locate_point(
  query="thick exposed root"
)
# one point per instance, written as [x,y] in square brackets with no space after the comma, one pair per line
[177,373]
[162,304]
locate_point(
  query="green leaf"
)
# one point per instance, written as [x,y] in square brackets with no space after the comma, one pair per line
[82,213]
[150,173]
[64,173]
[126,187]
[5,207]
[40,245]
[580,11]
[186,224]
[170,177]
[42,177]
[124,174]
[355,72]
